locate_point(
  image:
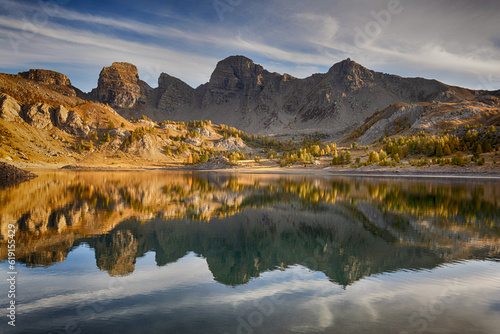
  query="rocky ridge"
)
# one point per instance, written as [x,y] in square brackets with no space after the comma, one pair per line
[243,94]
[40,120]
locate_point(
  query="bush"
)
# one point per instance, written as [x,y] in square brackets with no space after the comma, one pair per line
[182,148]
[458,160]
[342,158]
[138,133]
[373,157]
[204,157]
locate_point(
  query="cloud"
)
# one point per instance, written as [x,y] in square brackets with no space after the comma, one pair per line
[57,43]
[453,41]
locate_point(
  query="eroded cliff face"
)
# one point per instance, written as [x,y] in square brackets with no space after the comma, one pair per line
[119,86]
[237,78]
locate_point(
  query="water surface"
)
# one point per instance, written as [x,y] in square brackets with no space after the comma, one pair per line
[163,252]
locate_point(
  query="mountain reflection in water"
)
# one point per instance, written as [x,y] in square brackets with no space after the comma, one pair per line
[244,225]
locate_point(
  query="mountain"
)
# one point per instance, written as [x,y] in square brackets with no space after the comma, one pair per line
[243,94]
[44,118]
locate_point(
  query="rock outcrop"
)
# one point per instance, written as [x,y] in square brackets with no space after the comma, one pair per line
[38,115]
[233,144]
[42,116]
[9,109]
[398,114]
[74,123]
[55,80]
[46,77]
[120,87]
[148,146]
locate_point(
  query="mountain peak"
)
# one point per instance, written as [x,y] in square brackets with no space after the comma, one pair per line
[236,68]
[237,59]
[119,85]
[239,64]
[347,66]
[124,65]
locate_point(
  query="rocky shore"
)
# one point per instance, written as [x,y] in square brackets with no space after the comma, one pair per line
[10,175]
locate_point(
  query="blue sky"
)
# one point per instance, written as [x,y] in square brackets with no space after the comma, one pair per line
[454,41]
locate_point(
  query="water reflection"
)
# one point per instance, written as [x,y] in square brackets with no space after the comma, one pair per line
[245,225]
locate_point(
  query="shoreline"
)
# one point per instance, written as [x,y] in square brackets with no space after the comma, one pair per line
[382,173]
[443,172]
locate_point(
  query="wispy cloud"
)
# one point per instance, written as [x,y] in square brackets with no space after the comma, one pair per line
[451,41]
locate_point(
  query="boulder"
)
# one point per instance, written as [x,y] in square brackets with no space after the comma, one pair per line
[204,132]
[193,141]
[233,144]
[38,115]
[60,116]
[119,133]
[9,109]
[169,126]
[145,122]
[74,125]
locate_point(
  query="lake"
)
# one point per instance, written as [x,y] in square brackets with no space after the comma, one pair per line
[167,252]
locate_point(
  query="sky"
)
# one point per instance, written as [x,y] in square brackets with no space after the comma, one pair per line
[454,41]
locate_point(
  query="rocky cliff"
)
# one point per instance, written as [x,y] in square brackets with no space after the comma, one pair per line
[243,94]
[119,86]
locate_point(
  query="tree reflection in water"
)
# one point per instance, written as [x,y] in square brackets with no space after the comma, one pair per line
[244,225]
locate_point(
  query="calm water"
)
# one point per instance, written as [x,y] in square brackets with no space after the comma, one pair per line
[156,252]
